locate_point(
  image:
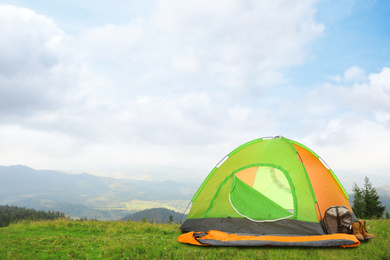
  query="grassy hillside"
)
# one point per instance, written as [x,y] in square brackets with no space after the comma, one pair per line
[134,240]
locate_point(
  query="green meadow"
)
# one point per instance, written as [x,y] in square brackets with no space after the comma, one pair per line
[67,239]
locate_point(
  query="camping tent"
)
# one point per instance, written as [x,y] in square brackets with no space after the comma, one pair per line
[268,186]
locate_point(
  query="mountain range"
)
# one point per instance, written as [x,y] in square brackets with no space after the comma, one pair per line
[97,197]
[85,195]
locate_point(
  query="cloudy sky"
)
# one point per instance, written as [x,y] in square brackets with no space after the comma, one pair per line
[89,84]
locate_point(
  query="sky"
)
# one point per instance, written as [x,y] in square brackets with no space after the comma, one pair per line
[96,84]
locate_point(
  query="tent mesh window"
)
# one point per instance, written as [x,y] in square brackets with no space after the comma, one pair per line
[262,193]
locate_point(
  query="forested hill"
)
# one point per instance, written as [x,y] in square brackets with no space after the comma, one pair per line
[157,215]
[9,214]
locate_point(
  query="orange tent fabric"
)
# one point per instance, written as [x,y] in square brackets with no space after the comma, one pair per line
[323,183]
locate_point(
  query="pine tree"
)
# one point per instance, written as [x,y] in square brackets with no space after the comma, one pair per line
[374,208]
[359,205]
[366,202]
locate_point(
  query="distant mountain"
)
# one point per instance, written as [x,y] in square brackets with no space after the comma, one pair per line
[48,190]
[157,215]
[349,178]
[151,173]
[384,191]
[21,181]
[384,196]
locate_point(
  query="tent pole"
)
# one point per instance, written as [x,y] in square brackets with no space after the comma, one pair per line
[181,217]
[318,206]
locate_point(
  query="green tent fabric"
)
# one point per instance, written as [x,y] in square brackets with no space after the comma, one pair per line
[266,186]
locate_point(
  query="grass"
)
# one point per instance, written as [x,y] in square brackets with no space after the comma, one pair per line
[66,239]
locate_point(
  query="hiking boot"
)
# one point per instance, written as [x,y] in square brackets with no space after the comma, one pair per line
[363,230]
[356,228]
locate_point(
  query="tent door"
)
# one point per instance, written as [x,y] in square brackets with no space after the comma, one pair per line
[262,193]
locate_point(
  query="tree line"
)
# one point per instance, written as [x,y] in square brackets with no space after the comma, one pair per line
[10,214]
[366,203]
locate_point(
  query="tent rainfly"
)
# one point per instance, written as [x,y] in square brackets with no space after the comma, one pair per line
[269,191]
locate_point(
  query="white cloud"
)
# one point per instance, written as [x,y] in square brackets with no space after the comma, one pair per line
[36,146]
[352,75]
[234,46]
[367,96]
[355,74]
[355,129]
[352,143]
[185,82]
[35,73]
[185,63]
[29,42]
[373,97]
